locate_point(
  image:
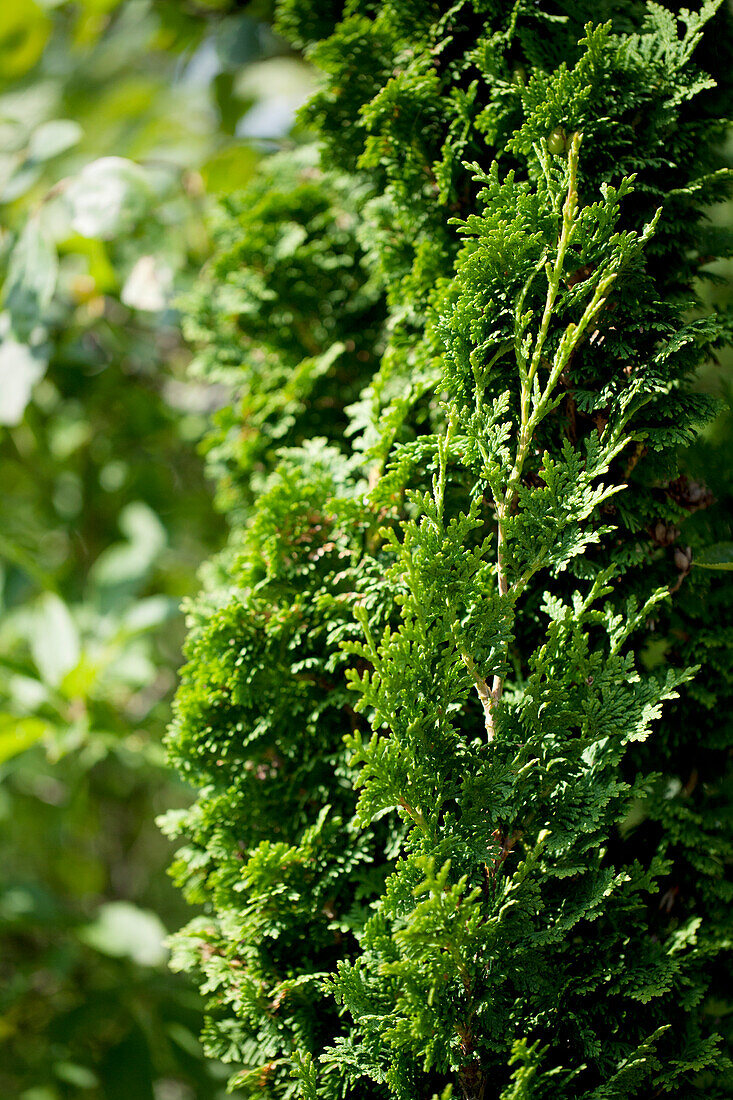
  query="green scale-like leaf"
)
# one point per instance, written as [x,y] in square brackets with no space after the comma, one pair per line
[460,830]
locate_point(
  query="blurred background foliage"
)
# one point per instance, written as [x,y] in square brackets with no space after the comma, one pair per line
[118,120]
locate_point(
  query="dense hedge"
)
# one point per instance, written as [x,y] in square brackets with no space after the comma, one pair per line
[455,698]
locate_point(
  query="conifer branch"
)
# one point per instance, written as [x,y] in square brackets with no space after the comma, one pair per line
[529,419]
[421,980]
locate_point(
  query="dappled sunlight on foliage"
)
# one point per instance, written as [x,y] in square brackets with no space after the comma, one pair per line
[457,690]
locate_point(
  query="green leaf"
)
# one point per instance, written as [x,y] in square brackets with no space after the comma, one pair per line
[122,929]
[53,138]
[19,734]
[126,564]
[55,643]
[31,279]
[719,556]
[78,1076]
[145,615]
[24,31]
[21,366]
[108,198]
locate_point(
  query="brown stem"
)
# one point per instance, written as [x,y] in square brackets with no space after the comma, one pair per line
[497,687]
[472,1082]
[416,815]
[484,692]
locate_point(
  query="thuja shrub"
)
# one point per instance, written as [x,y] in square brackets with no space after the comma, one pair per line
[456,695]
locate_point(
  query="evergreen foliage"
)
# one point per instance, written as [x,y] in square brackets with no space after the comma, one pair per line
[453,697]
